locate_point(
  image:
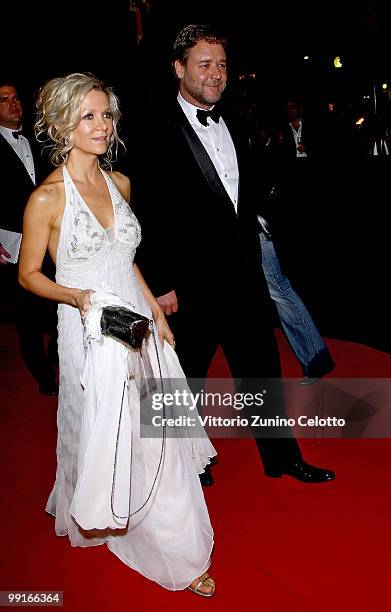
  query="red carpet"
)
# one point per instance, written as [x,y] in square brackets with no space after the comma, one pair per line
[281,546]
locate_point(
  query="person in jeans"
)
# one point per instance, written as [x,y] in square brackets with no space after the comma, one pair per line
[297,324]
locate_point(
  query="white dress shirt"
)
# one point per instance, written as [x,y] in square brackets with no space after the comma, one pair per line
[298,139]
[22,148]
[217,141]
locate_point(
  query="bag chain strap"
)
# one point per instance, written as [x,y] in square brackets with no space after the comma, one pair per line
[162,452]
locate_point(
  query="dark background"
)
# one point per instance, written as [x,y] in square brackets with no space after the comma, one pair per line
[45,39]
[337,251]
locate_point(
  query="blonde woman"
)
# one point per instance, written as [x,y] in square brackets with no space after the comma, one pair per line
[81,214]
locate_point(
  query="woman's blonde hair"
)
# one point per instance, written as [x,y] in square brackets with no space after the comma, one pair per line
[59,102]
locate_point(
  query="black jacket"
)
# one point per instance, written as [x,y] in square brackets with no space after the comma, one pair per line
[192,239]
[16,185]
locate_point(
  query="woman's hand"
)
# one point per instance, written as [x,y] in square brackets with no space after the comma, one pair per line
[163,329]
[83,302]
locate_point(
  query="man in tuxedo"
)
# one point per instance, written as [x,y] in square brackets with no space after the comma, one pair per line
[19,176]
[200,250]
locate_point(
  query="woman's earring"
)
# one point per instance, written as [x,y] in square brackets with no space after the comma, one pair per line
[65,141]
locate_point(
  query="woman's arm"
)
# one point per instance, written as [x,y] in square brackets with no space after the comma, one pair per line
[157,313]
[39,218]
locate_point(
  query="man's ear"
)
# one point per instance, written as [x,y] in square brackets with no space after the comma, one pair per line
[179,69]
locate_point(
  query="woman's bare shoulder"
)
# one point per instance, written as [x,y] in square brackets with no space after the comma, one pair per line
[122,183]
[50,192]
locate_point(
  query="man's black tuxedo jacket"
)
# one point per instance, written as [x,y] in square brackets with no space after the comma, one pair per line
[16,186]
[192,239]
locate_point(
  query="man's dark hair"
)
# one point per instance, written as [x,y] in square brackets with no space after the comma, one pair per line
[4,82]
[189,36]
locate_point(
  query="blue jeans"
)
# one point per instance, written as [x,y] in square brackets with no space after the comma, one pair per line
[296,321]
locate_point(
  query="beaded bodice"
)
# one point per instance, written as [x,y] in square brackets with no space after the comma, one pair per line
[83,237]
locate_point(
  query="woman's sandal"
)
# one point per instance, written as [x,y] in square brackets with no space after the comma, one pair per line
[207,580]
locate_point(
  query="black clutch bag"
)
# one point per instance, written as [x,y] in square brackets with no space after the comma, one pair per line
[124,325]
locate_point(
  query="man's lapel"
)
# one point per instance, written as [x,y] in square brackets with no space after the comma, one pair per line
[202,158]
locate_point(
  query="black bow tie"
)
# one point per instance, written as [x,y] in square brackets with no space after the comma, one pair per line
[202,116]
[17,134]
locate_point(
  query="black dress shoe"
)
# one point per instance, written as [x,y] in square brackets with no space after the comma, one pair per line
[206,478]
[302,471]
[309,380]
[48,387]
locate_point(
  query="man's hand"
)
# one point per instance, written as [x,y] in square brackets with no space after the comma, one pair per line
[168,302]
[301,147]
[4,255]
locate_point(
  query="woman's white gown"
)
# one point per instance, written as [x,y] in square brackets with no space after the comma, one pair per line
[171,539]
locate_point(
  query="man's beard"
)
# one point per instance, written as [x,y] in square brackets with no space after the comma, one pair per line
[199,96]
